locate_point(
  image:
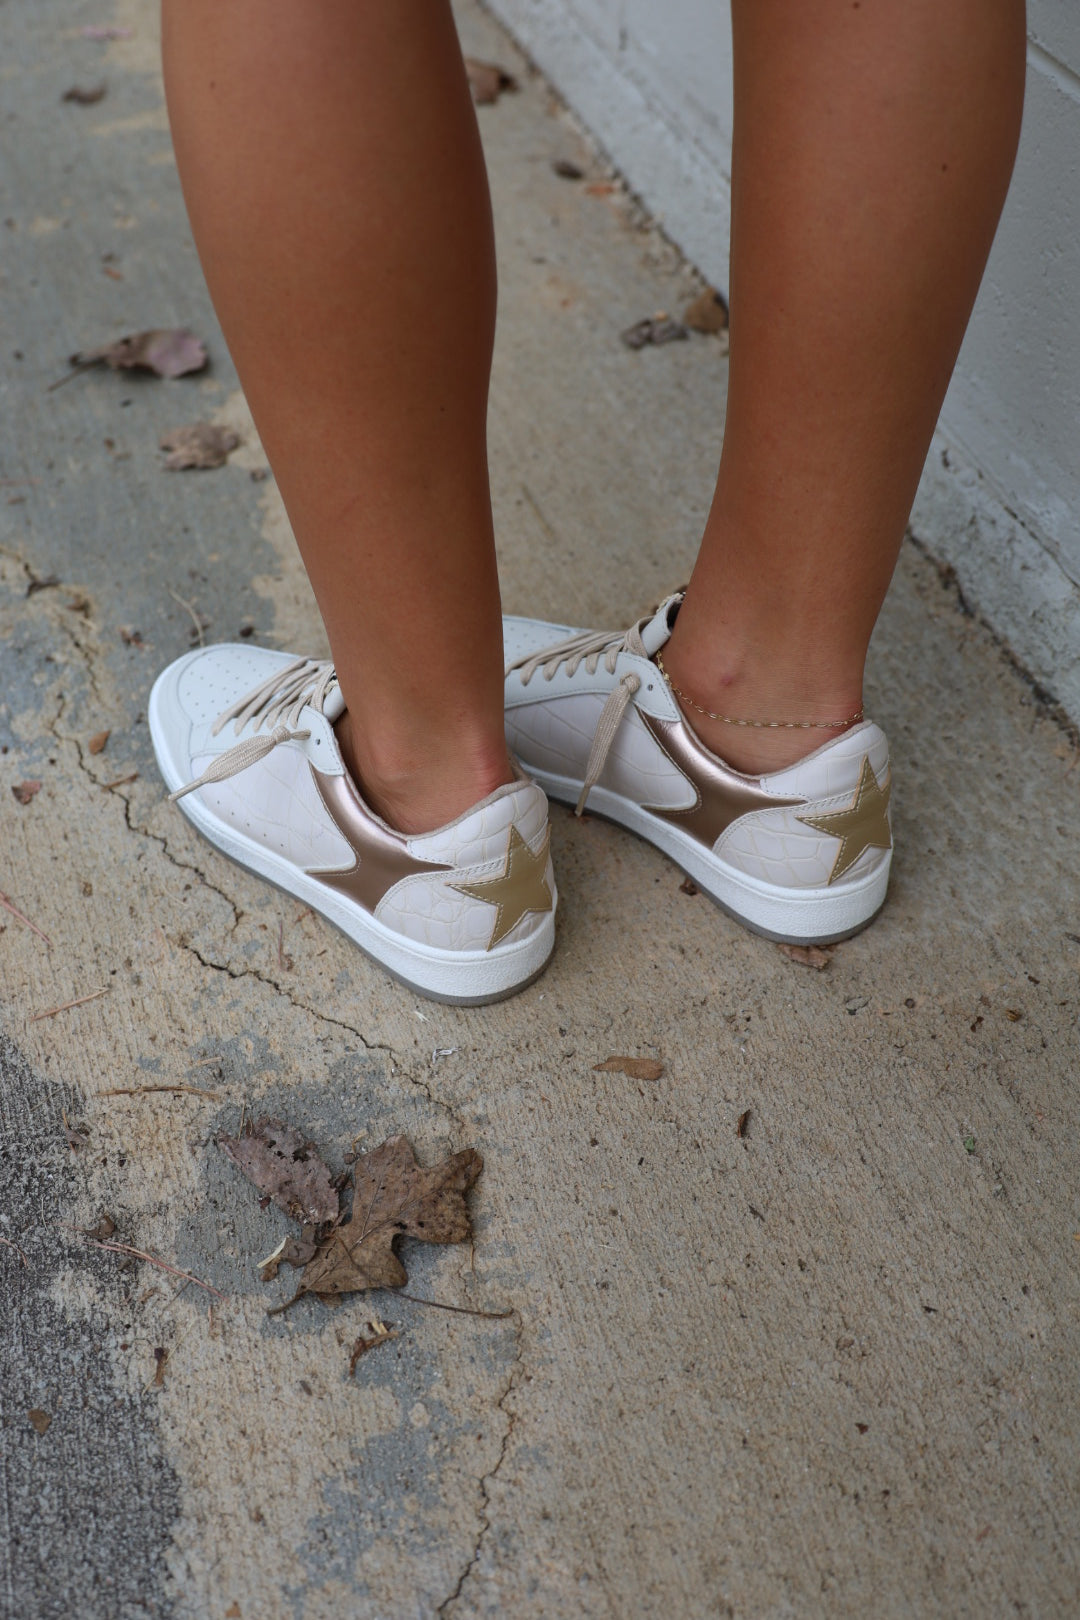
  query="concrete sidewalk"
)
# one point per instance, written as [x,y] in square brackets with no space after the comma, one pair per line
[826,1368]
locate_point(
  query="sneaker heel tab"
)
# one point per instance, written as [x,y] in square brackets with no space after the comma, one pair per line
[655,629]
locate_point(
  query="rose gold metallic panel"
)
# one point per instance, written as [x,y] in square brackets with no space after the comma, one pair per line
[723,795]
[381,856]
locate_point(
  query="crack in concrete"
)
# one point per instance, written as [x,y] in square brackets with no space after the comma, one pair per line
[444,1607]
[142,831]
[139,831]
[88,654]
[162,842]
[66,622]
[282,990]
[400,1068]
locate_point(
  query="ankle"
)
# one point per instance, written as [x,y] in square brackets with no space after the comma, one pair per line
[773,716]
[423,786]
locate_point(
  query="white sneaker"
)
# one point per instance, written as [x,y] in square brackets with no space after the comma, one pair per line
[800,855]
[245,739]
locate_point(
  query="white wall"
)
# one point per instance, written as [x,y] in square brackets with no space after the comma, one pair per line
[1000,499]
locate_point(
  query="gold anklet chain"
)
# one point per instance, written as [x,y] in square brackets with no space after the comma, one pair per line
[759,725]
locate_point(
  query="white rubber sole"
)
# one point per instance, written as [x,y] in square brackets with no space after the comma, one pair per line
[460,978]
[791,916]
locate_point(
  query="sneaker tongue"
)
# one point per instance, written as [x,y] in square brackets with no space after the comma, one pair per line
[334,707]
[655,631]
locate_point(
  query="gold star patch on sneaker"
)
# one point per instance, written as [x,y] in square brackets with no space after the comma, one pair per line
[863,825]
[521,886]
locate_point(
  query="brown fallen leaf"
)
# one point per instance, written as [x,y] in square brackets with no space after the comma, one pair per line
[812,956]
[77,1135]
[655,330]
[289,1252]
[742,1123]
[161,1356]
[167,351]
[199,444]
[97,742]
[39,1419]
[378,1333]
[393,1197]
[636,1068]
[234,1612]
[104,1229]
[487,81]
[286,1167]
[25,791]
[707,313]
[85,97]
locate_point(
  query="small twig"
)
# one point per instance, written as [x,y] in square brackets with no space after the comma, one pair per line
[195,619]
[66,1006]
[138,1091]
[122,781]
[76,371]
[460,1310]
[9,1243]
[436,1304]
[151,1259]
[9,905]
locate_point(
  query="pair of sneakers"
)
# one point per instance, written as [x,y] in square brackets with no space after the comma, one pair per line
[245,740]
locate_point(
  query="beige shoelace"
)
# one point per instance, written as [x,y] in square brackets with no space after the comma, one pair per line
[590,648]
[276,702]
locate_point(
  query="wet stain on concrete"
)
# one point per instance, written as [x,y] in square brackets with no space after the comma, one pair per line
[85,1507]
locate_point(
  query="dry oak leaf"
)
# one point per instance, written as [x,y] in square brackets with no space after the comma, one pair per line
[287,1168]
[25,791]
[83,97]
[289,1252]
[394,1197]
[655,330]
[636,1068]
[167,351]
[809,955]
[199,444]
[707,313]
[487,80]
